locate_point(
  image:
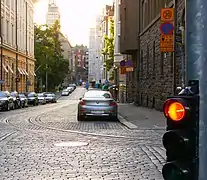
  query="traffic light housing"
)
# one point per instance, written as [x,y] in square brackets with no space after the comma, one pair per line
[181,138]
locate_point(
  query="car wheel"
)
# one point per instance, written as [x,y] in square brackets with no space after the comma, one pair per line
[13,106]
[80,118]
[8,107]
[115,118]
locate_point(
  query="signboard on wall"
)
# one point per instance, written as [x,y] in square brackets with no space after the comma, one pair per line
[167,30]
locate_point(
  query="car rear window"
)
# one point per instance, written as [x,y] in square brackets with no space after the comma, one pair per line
[97,94]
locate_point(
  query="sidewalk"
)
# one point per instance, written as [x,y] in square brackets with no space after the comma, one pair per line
[135,117]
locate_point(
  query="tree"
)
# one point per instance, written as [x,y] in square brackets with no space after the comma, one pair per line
[108,50]
[49,55]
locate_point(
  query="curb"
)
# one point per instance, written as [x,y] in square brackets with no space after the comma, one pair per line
[126,123]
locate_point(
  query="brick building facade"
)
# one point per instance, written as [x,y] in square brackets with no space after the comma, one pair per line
[154,77]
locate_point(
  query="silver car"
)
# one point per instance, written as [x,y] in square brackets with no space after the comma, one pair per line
[97,103]
[41,98]
[65,92]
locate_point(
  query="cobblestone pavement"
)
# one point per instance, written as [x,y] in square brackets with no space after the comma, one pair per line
[110,151]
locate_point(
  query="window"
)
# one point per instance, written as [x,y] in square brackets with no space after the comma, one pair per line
[12,35]
[119,40]
[7,31]
[147,60]
[141,63]
[143,13]
[7,2]
[153,58]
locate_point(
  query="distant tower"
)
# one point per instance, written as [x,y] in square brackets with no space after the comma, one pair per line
[52,13]
[52,2]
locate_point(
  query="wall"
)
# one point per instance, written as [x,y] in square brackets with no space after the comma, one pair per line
[156,69]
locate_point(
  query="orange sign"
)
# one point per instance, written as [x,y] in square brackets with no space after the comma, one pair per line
[166,43]
[167,14]
[129,69]
[122,70]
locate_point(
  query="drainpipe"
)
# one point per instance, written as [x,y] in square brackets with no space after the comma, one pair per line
[16,46]
[174,53]
[1,39]
[26,51]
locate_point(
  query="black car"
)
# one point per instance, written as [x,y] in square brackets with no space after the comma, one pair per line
[32,99]
[6,101]
[16,99]
[23,99]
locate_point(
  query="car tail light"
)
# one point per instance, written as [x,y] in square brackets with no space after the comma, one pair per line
[113,104]
[82,103]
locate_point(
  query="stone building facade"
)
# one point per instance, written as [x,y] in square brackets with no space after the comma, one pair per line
[17,72]
[156,75]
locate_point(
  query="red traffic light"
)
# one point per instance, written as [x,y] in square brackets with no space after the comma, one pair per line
[174,110]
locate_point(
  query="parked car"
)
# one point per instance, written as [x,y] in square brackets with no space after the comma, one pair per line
[32,99]
[70,89]
[51,98]
[73,86]
[65,92]
[97,103]
[16,99]
[23,99]
[41,98]
[6,101]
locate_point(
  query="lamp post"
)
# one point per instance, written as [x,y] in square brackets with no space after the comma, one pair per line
[1,39]
[16,46]
[26,51]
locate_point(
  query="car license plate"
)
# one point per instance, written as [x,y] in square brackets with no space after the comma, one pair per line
[97,112]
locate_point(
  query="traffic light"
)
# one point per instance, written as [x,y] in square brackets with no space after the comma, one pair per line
[181,138]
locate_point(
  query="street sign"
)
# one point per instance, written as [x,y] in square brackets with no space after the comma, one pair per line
[167,14]
[166,28]
[122,63]
[129,63]
[123,70]
[166,43]
[129,69]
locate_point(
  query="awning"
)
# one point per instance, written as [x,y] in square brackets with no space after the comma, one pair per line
[10,69]
[25,72]
[20,71]
[5,68]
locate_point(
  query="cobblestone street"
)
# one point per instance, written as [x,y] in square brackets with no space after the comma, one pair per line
[47,142]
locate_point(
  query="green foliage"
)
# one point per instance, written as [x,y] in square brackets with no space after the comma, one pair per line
[48,54]
[108,50]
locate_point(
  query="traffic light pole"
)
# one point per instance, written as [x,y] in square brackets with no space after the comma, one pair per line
[196,54]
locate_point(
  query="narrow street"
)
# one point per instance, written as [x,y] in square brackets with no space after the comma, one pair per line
[47,142]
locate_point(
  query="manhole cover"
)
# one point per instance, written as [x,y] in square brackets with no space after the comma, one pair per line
[72,143]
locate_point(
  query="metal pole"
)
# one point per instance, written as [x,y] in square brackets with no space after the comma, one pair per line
[26,50]
[16,45]
[46,77]
[1,38]
[196,45]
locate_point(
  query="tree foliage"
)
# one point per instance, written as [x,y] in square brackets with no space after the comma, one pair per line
[108,50]
[49,56]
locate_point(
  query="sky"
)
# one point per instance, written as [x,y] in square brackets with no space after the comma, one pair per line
[77,16]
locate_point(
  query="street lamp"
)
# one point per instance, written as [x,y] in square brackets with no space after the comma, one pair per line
[1,40]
